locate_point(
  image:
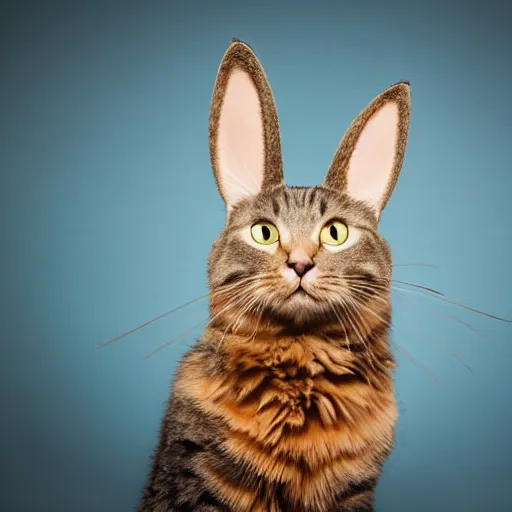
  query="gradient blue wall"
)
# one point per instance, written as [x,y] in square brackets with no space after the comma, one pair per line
[108,210]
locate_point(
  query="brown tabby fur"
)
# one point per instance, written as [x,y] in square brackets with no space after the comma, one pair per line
[282,406]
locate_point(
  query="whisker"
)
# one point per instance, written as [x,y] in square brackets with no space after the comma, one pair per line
[372,357]
[377,316]
[436,294]
[184,333]
[444,348]
[462,362]
[335,311]
[363,292]
[453,354]
[459,321]
[426,288]
[251,282]
[149,322]
[460,304]
[176,338]
[355,329]
[259,312]
[415,361]
[246,308]
[341,323]
[220,290]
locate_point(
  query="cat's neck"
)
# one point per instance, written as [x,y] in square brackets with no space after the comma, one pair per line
[288,382]
[337,351]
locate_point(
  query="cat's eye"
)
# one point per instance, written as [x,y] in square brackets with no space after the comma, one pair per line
[334,233]
[264,233]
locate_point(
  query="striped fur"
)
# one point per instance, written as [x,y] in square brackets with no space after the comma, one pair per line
[286,403]
[300,423]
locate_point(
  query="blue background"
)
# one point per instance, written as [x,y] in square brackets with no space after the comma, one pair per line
[108,209]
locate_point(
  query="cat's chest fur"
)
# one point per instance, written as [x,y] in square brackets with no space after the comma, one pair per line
[303,412]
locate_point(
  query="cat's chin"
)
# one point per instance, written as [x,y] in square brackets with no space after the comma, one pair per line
[302,312]
[300,297]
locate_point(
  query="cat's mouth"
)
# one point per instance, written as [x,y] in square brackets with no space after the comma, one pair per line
[300,291]
[301,308]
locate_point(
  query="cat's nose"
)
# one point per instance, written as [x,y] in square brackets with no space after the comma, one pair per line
[300,262]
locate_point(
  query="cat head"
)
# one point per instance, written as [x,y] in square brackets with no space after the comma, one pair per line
[299,257]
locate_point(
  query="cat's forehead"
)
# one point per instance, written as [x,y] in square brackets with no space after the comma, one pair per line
[301,209]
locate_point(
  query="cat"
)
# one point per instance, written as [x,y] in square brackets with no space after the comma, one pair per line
[286,402]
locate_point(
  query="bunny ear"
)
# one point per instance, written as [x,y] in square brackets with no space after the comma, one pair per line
[245,145]
[369,158]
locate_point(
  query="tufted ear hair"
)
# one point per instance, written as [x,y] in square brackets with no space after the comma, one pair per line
[245,145]
[369,159]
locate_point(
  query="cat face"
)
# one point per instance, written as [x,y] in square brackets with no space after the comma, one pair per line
[299,257]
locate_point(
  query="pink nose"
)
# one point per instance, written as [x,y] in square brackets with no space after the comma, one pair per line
[300,262]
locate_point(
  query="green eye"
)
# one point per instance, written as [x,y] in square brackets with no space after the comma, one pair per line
[334,233]
[264,233]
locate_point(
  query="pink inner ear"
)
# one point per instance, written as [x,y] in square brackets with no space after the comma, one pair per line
[240,144]
[371,163]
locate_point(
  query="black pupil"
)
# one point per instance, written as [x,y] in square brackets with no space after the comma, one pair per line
[334,232]
[265,231]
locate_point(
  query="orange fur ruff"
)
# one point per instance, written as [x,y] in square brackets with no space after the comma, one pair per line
[304,412]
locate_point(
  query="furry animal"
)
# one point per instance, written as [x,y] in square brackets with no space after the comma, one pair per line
[286,403]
